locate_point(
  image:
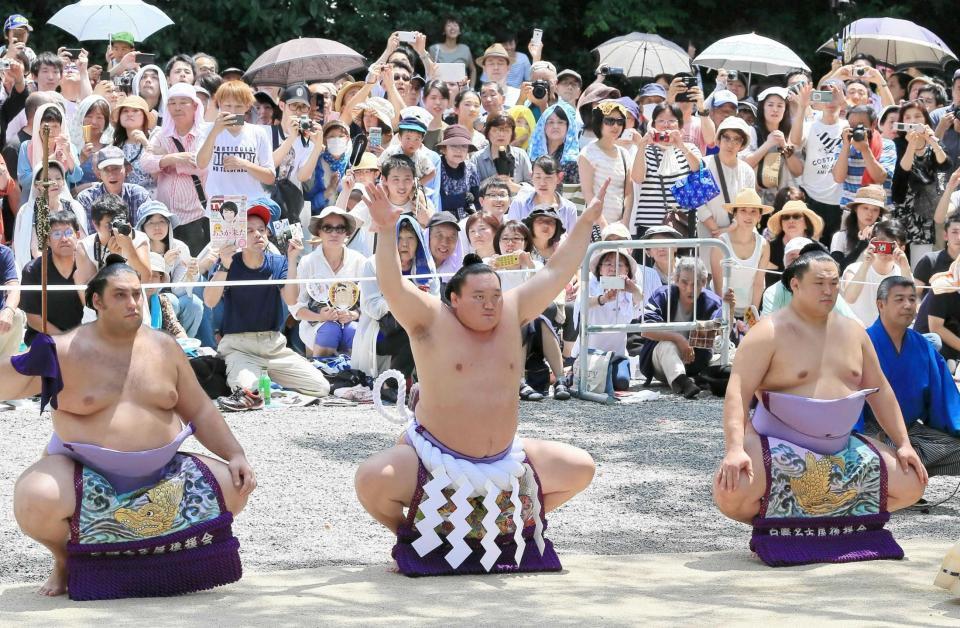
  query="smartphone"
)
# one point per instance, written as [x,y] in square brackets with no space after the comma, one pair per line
[374,136]
[612,283]
[906,128]
[795,88]
[824,96]
[407,37]
[537,36]
[613,71]
[451,72]
[318,100]
[508,259]
[145,58]
[236,120]
[87,133]
[73,52]
[883,247]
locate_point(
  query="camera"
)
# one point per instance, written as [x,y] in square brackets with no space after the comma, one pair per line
[732,75]
[608,71]
[540,89]
[661,136]
[906,128]
[504,163]
[122,226]
[305,124]
[4,65]
[822,96]
[859,133]
[860,71]
[882,247]
[124,82]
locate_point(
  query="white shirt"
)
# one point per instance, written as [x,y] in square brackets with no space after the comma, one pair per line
[739,178]
[252,144]
[821,147]
[865,307]
[293,161]
[316,266]
[619,311]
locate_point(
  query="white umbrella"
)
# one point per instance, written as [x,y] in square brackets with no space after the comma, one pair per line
[98,19]
[643,55]
[899,43]
[750,53]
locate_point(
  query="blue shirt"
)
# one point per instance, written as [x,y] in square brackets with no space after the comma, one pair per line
[253,308]
[856,167]
[8,270]
[133,197]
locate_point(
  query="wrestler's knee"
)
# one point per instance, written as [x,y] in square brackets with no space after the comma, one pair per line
[234,500]
[583,467]
[44,493]
[390,474]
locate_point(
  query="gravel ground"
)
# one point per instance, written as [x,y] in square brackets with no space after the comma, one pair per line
[651,492]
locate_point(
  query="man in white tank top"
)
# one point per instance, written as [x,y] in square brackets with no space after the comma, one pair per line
[751,252]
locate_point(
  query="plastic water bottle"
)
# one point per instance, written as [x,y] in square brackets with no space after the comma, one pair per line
[264,386]
[156,315]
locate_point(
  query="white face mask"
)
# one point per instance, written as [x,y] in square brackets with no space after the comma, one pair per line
[337,145]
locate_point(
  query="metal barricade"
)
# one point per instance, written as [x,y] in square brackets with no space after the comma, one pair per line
[584,297]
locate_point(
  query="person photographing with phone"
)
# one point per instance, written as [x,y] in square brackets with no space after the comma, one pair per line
[884,257]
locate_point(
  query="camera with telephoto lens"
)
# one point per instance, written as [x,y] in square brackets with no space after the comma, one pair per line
[122,226]
[305,124]
[540,89]
[859,133]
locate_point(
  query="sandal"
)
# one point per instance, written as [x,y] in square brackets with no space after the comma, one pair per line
[527,393]
[560,392]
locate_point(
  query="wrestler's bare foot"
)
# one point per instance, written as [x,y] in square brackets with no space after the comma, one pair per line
[56,584]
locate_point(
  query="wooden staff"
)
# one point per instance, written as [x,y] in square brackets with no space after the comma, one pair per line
[41,214]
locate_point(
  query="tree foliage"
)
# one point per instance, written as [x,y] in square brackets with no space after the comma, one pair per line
[237,31]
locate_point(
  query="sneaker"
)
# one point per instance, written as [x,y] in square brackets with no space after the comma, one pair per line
[685,386]
[240,400]
[332,365]
[527,393]
[560,392]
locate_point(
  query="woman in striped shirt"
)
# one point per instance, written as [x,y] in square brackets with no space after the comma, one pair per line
[663,158]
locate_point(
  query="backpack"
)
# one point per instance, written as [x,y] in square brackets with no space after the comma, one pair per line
[211,372]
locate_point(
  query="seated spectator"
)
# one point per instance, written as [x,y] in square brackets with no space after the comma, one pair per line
[547,229]
[133,123]
[12,318]
[109,221]
[64,308]
[557,135]
[410,134]
[779,296]
[613,306]
[331,166]
[158,224]
[481,229]
[791,219]
[466,106]
[495,198]
[661,260]
[546,180]
[884,257]
[605,160]
[111,171]
[89,132]
[751,252]
[238,155]
[374,113]
[398,179]
[867,209]
[324,329]
[366,172]
[940,261]
[667,355]
[491,99]
[459,180]
[61,150]
[171,158]
[166,314]
[443,235]
[508,163]
[379,335]
[436,100]
[253,316]
[920,378]
[25,245]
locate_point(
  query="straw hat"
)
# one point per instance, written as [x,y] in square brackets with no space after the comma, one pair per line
[368,161]
[796,207]
[135,102]
[380,107]
[873,195]
[332,210]
[748,197]
[345,89]
[496,50]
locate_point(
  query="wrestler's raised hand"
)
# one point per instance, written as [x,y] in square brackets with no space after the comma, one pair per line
[594,210]
[244,480]
[909,459]
[383,213]
[728,476]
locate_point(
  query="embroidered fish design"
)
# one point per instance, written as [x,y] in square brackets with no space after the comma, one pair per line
[156,516]
[812,489]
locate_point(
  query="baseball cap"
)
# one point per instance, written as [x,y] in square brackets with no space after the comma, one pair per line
[723,97]
[16,21]
[653,89]
[296,93]
[419,113]
[123,37]
[412,124]
[443,218]
[109,156]
[543,65]
[565,73]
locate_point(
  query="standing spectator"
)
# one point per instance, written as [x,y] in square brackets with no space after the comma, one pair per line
[514,163]
[451,50]
[459,181]
[16,32]
[151,84]
[112,171]
[331,167]
[604,160]
[496,67]
[238,154]
[133,122]
[436,99]
[519,63]
[919,178]
[64,308]
[324,329]
[663,158]
[410,133]
[253,315]
[61,150]
[729,169]
[546,183]
[90,121]
[181,69]
[557,134]
[171,158]
[819,146]
[11,149]
[946,120]
[773,157]
[569,87]
[865,156]
[12,318]
[25,245]
[296,149]
[205,64]
[866,210]
[466,106]
[860,280]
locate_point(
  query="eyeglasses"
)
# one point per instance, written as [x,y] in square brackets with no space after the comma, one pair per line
[614,121]
[792,217]
[62,233]
[334,229]
[500,196]
[513,239]
[666,123]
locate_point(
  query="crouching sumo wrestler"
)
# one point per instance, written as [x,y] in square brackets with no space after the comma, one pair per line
[123,513]
[813,490]
[461,453]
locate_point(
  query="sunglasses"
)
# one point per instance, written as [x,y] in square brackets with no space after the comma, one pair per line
[613,121]
[334,229]
[792,217]
[401,77]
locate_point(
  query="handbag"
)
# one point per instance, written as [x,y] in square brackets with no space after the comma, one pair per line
[599,371]
[695,189]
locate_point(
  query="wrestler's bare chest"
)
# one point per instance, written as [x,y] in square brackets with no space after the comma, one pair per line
[812,363]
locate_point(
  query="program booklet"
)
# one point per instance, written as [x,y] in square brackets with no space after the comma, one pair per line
[228,221]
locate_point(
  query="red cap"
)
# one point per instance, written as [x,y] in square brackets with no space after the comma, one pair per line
[261,212]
